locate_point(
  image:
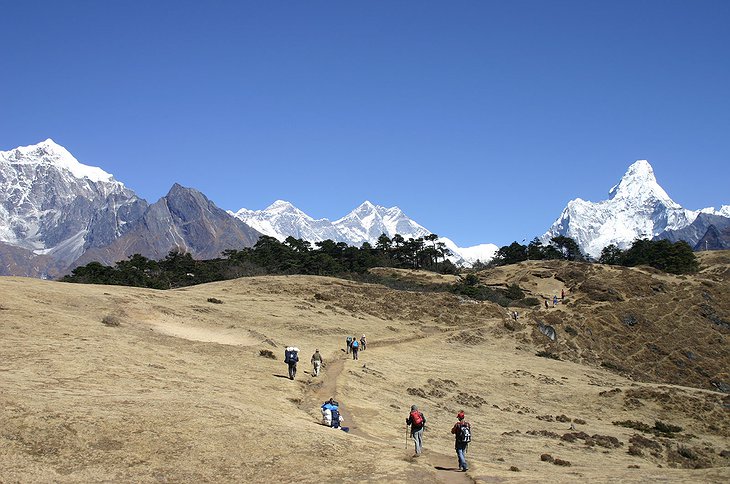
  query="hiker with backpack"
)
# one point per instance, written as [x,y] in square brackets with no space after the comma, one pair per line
[355,348]
[417,422]
[349,344]
[316,362]
[291,357]
[363,343]
[462,433]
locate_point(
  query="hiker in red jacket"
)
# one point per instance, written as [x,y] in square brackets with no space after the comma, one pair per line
[462,433]
[417,422]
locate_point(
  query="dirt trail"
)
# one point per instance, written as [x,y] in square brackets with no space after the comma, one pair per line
[444,466]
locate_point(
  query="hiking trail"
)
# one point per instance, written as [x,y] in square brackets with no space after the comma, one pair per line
[444,466]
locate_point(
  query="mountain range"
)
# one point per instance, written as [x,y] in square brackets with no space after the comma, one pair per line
[365,223]
[57,213]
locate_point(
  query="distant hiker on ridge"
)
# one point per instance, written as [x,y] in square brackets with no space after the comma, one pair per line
[316,362]
[462,433]
[417,422]
[291,357]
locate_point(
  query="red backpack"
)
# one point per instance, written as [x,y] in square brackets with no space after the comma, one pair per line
[416,418]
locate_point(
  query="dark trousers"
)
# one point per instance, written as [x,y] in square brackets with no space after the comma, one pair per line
[292,370]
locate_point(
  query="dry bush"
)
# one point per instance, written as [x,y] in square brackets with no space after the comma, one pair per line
[267,354]
[111,320]
[214,300]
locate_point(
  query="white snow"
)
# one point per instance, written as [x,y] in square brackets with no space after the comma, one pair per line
[50,152]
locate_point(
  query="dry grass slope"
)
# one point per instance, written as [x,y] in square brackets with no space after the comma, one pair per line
[102,383]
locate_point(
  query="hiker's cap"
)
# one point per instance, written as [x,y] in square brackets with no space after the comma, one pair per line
[460,415]
[413,408]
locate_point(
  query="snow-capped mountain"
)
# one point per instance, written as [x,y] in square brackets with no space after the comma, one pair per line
[50,204]
[282,219]
[368,222]
[364,224]
[637,207]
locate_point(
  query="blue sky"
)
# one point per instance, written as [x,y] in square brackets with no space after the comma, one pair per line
[480,119]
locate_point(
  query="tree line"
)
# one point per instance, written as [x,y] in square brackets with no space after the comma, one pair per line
[675,258]
[329,258]
[270,256]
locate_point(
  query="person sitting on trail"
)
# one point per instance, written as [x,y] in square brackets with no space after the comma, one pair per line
[417,422]
[291,357]
[349,344]
[316,362]
[462,433]
[355,348]
[363,343]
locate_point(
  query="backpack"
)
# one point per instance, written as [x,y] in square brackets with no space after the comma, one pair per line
[355,344]
[464,434]
[291,357]
[416,419]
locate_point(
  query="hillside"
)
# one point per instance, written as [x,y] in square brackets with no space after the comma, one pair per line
[178,391]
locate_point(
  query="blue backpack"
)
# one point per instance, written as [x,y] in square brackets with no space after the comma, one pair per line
[355,344]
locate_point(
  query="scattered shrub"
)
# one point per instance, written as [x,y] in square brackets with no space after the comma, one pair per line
[111,320]
[267,354]
[561,462]
[514,469]
[666,428]
[546,458]
[214,300]
[571,331]
[547,354]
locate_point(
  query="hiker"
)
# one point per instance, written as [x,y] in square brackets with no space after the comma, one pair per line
[562,294]
[417,422]
[355,348]
[363,343]
[291,357]
[546,304]
[462,433]
[349,344]
[555,300]
[316,362]
[327,408]
[515,315]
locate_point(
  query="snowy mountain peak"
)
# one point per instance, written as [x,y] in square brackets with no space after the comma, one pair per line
[637,208]
[281,206]
[51,153]
[639,183]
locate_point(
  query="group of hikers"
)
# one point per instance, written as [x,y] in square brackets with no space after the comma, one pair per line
[416,422]
[291,355]
[555,299]
[354,346]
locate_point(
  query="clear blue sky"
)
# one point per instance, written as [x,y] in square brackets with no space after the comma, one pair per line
[480,119]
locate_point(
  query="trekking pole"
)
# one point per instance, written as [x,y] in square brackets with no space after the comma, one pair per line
[406,437]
